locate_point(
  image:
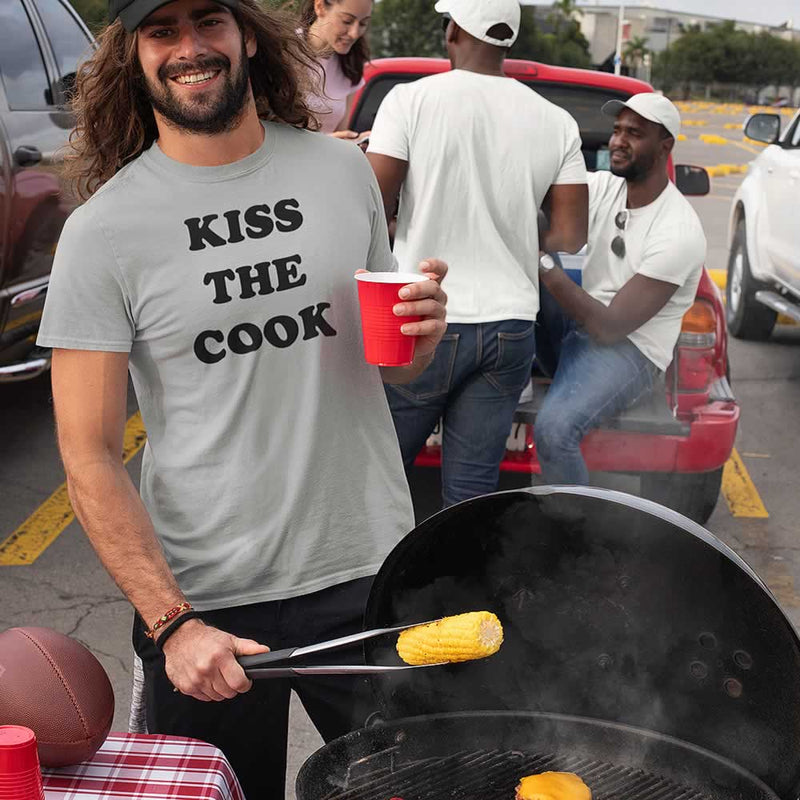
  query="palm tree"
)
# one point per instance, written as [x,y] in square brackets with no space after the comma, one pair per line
[634,51]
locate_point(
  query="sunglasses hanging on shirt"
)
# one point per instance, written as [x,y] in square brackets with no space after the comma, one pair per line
[618,242]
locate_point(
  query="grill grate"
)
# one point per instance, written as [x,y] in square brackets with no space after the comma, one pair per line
[493,775]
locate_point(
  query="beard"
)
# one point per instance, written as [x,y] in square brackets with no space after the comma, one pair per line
[636,170]
[212,112]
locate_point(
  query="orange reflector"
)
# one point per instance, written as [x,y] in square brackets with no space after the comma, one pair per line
[700,318]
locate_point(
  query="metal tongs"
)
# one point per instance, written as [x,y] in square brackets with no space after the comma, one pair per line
[259,666]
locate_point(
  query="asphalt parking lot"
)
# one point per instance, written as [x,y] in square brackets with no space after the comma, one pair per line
[49,575]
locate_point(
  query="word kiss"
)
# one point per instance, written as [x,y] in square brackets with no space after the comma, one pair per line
[235,226]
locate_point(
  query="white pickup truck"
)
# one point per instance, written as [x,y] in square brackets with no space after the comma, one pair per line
[764,260]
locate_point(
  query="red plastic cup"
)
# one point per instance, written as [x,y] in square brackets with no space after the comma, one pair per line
[384,344]
[20,775]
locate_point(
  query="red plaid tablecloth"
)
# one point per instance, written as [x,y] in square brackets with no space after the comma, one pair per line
[133,766]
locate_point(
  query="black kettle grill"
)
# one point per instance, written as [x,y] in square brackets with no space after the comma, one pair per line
[640,652]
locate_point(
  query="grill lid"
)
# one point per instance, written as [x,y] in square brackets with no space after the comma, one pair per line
[614,608]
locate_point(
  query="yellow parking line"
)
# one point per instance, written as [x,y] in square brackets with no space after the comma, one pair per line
[743,146]
[719,276]
[20,321]
[739,490]
[47,523]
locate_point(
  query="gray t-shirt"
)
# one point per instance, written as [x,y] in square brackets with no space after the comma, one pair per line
[272,468]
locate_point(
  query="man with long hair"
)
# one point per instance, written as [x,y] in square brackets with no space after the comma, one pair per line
[214,260]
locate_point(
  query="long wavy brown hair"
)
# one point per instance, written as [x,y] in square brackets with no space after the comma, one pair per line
[353,62]
[114,117]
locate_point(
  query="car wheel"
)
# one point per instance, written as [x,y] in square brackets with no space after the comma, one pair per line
[747,318]
[693,494]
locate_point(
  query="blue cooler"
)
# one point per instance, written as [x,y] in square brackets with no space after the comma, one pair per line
[573,265]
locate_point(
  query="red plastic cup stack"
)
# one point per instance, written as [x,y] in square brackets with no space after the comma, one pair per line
[384,343]
[20,775]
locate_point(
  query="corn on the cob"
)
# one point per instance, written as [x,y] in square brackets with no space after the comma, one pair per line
[464,637]
[553,786]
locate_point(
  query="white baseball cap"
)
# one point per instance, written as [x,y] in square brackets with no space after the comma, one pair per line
[477,17]
[651,106]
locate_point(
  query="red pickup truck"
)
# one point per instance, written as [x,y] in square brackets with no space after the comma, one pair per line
[677,439]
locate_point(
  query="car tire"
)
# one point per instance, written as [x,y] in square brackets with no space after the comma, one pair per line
[693,494]
[747,318]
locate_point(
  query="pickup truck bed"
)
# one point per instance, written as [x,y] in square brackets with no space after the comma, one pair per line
[650,414]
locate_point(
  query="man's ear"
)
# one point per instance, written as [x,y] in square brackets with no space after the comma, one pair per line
[452,33]
[667,143]
[250,43]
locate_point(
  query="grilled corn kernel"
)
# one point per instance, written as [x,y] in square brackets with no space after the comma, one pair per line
[553,786]
[464,637]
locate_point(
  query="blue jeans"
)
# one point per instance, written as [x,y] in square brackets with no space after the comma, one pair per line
[592,383]
[473,385]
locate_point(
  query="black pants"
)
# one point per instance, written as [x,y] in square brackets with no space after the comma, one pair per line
[251,729]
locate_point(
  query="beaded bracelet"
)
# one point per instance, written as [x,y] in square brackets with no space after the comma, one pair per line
[162,621]
[170,629]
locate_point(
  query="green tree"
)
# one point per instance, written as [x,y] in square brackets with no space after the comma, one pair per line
[406,28]
[93,12]
[635,50]
[726,55]
[561,44]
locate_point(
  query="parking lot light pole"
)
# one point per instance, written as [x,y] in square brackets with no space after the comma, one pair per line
[618,54]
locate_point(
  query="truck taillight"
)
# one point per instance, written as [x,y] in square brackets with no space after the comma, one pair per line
[699,326]
[696,347]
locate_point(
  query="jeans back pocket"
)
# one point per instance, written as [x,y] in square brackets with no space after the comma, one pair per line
[516,347]
[435,381]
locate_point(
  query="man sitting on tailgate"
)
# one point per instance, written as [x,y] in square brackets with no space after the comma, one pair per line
[646,250]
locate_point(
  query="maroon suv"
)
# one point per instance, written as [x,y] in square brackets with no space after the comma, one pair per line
[41,42]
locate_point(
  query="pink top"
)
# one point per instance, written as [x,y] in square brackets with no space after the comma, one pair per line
[329,104]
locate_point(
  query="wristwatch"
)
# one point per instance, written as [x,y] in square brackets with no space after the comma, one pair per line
[546,262]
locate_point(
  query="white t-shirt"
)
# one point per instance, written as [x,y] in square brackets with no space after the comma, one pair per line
[663,240]
[330,102]
[482,152]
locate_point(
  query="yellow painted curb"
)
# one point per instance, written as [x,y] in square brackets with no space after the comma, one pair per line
[48,522]
[739,490]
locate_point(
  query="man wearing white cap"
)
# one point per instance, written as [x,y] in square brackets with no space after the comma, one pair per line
[645,257]
[477,154]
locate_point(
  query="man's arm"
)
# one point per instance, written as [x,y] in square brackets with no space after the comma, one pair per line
[566,207]
[639,300]
[89,393]
[390,172]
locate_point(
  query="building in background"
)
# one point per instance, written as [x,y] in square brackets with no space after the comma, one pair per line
[659,26]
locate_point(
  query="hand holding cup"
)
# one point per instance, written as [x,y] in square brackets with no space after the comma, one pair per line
[403,314]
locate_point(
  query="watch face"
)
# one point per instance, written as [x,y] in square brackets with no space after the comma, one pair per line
[546,262]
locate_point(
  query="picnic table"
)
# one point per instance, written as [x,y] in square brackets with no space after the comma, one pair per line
[147,766]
